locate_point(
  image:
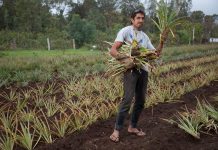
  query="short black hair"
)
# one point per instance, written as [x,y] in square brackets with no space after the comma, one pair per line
[137,11]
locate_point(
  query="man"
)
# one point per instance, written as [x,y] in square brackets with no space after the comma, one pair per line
[135,81]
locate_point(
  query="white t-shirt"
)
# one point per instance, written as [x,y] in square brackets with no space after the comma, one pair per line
[128,33]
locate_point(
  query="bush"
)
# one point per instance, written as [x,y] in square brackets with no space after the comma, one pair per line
[29,40]
[184,37]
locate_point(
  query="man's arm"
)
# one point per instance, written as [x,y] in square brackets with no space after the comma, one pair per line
[156,50]
[113,51]
[124,59]
[159,48]
[163,37]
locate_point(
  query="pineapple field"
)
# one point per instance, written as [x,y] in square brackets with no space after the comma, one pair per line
[69,70]
[66,100]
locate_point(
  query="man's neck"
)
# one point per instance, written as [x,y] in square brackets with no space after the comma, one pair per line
[136,28]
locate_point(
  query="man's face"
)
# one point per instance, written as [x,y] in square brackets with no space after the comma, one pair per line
[138,20]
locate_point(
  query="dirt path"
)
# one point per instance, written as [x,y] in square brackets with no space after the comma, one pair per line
[159,134]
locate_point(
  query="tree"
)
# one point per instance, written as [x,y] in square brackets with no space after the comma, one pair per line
[185,7]
[61,21]
[196,19]
[98,19]
[89,5]
[25,21]
[26,15]
[197,16]
[214,32]
[106,6]
[151,8]
[81,30]
[182,6]
[186,32]
[208,26]
[82,8]
[107,9]
[198,32]
[7,13]
[75,8]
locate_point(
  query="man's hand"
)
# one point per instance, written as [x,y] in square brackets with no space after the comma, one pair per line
[135,51]
[164,35]
[127,62]
[151,54]
[121,56]
[163,38]
[158,53]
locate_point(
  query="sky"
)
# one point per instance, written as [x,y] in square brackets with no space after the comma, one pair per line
[209,7]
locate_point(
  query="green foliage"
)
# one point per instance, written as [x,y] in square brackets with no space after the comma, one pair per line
[167,19]
[29,40]
[184,37]
[197,16]
[26,138]
[98,19]
[25,66]
[81,96]
[41,65]
[81,30]
[203,117]
[214,32]
[198,32]
[26,24]
[7,142]
[7,13]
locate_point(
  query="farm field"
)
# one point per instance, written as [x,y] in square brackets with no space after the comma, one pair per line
[64,100]
[23,67]
[159,134]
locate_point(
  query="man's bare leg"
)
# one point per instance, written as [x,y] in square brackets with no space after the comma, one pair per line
[115,136]
[135,131]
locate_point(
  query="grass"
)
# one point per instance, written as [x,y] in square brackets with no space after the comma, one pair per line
[188,51]
[39,53]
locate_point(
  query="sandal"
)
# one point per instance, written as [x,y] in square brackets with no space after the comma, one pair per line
[138,133]
[114,138]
